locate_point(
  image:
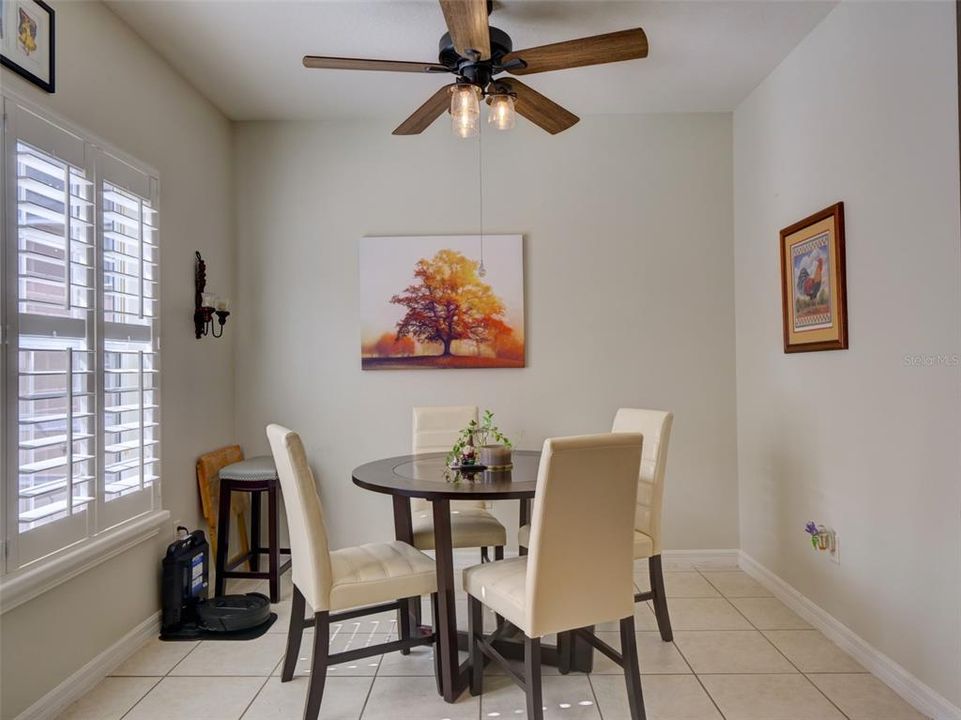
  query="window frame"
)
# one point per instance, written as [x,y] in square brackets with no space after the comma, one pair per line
[102,164]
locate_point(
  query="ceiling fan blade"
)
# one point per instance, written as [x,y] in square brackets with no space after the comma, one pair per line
[336,63]
[427,113]
[540,110]
[467,22]
[595,50]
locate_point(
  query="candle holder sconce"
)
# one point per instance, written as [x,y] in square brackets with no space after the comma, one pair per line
[207,305]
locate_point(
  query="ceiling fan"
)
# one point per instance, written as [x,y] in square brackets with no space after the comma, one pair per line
[476,54]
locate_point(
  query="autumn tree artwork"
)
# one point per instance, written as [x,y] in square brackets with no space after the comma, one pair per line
[442,302]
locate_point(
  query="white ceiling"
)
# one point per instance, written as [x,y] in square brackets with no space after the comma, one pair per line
[246,56]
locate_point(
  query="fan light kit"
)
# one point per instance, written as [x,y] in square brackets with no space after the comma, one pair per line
[476,53]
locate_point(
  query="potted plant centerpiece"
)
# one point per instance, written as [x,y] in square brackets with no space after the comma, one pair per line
[481,443]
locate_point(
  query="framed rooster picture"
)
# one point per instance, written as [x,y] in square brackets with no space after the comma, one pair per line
[813,287]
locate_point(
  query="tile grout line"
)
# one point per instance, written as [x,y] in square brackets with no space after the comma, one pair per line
[597,704]
[696,676]
[140,699]
[160,678]
[778,651]
[370,688]
[699,572]
[256,694]
[803,674]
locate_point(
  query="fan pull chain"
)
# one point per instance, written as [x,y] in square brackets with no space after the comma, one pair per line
[482,271]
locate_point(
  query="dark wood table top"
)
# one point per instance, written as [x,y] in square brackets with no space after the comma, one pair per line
[427,476]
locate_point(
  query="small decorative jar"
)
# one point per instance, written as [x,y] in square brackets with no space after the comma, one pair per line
[496,457]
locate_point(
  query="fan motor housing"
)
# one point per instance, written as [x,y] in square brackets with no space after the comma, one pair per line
[475,70]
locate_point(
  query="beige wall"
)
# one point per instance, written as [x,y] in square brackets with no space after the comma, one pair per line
[865,110]
[627,225]
[111,84]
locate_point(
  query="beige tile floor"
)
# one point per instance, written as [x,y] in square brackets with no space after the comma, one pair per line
[738,654]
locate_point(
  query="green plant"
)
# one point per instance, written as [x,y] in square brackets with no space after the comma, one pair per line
[476,434]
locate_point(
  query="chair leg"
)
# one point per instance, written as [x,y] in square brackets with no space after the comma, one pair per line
[273,539]
[498,555]
[475,629]
[294,635]
[436,628]
[403,621]
[318,665]
[255,531]
[565,641]
[416,615]
[223,536]
[532,675]
[485,558]
[632,672]
[660,598]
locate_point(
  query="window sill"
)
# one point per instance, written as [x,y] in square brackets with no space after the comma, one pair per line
[26,584]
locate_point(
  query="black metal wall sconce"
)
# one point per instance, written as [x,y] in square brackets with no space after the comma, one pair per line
[206,305]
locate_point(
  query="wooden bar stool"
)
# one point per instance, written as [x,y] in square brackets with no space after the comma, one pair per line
[255,476]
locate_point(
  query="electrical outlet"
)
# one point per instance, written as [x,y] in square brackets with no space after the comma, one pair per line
[174,526]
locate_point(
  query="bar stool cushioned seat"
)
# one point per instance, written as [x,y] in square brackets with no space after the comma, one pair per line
[255,475]
[256,468]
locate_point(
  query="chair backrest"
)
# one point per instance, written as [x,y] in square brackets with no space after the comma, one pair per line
[655,426]
[209,466]
[310,553]
[580,570]
[436,429]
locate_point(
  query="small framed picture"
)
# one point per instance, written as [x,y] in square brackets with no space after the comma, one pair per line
[813,286]
[27,40]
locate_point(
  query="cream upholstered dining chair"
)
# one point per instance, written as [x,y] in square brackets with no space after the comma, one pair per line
[356,580]
[580,569]
[435,430]
[655,426]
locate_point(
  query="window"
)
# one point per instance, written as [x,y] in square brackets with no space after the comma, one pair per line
[81,307]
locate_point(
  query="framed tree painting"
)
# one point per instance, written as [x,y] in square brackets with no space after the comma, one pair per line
[813,286]
[27,40]
[442,302]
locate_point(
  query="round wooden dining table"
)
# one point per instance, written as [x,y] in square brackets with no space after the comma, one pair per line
[427,476]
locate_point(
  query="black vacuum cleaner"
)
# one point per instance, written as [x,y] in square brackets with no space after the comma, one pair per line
[188,614]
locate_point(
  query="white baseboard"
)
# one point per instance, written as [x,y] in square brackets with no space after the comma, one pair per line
[87,677]
[925,699]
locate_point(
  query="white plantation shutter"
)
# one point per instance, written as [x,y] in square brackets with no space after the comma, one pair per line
[131,368]
[55,401]
[81,397]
